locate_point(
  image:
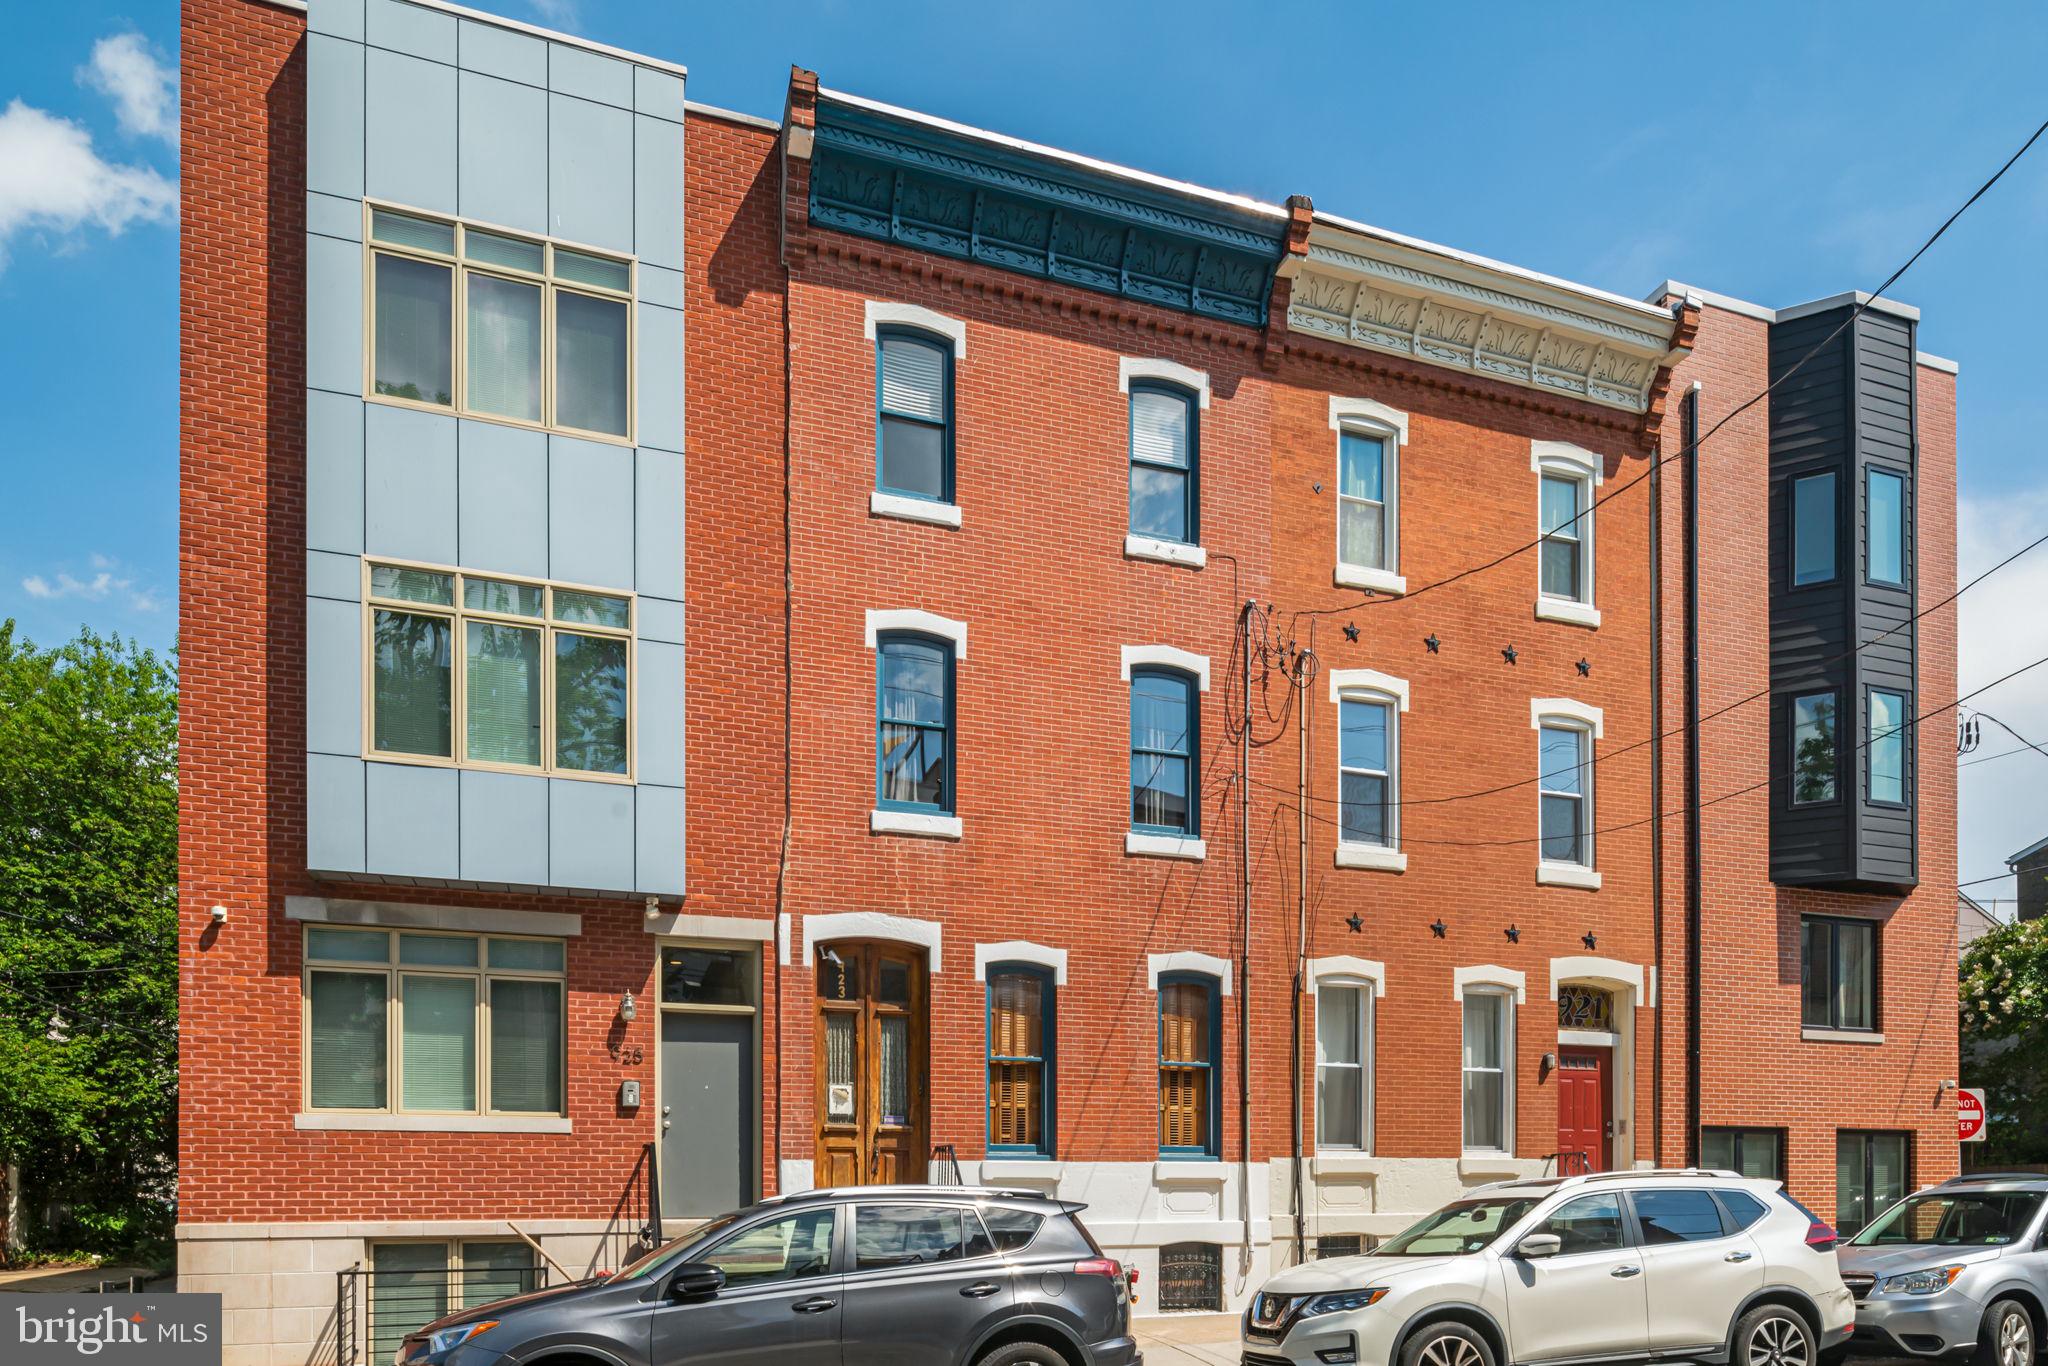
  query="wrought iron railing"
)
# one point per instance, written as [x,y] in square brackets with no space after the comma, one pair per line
[635,1226]
[944,1168]
[1572,1162]
[375,1310]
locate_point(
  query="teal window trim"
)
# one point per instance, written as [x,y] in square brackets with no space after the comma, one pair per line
[1213,1066]
[1893,736]
[1191,501]
[1189,752]
[1895,528]
[1793,487]
[1047,1059]
[944,731]
[883,413]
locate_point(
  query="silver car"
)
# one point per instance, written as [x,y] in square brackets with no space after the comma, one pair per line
[1955,1270]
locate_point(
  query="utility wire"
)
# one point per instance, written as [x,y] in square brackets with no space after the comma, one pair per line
[2025,743]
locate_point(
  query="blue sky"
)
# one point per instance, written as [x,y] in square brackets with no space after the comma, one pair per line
[1773,152]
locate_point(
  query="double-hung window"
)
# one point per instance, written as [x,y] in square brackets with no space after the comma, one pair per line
[1813,518]
[1365,523]
[1488,1070]
[1813,748]
[1885,747]
[1020,1061]
[914,723]
[1884,511]
[1838,973]
[1165,454]
[1366,765]
[495,325]
[412,1022]
[1566,550]
[914,414]
[1343,1066]
[494,672]
[1164,752]
[1188,1114]
[1564,756]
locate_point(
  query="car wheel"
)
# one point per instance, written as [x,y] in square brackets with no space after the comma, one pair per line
[2007,1337]
[1772,1335]
[1446,1343]
[1021,1354]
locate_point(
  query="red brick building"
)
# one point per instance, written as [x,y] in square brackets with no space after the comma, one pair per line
[832,650]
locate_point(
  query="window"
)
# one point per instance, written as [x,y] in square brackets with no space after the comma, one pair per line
[1752,1152]
[1365,527]
[1165,446]
[1871,1173]
[1566,549]
[1885,514]
[1563,766]
[793,1248]
[1365,761]
[1813,748]
[1977,1218]
[1488,1071]
[1591,1223]
[1676,1216]
[412,1284]
[1010,1230]
[1020,1051]
[1163,752]
[914,414]
[911,1235]
[1743,1208]
[914,723]
[537,673]
[1813,529]
[516,329]
[1342,1245]
[425,1023]
[1187,1066]
[1837,973]
[1343,1066]
[1886,742]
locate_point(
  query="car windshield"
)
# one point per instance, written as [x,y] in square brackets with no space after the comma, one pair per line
[1972,1219]
[664,1257]
[1459,1228]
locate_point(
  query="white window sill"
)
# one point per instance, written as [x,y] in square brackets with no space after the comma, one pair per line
[1032,1171]
[1192,1171]
[435,1124]
[928,824]
[1565,610]
[1164,846]
[1341,1162]
[1373,856]
[1166,552]
[1567,875]
[1378,580]
[1865,1036]
[909,509]
[1488,1164]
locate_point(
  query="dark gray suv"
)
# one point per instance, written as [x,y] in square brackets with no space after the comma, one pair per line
[865,1276]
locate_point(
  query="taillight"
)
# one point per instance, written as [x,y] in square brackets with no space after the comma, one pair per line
[1099,1266]
[1820,1237]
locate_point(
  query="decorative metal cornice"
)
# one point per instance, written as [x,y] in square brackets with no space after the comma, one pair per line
[937,190]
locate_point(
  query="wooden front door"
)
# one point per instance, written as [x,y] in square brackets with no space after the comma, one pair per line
[872,1064]
[1584,1110]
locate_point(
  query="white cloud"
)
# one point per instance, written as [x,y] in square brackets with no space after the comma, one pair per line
[563,14]
[107,582]
[2003,627]
[144,88]
[51,180]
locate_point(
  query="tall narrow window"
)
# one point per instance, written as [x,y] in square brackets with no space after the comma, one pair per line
[1165,441]
[1365,760]
[1886,763]
[413,302]
[914,415]
[1020,1050]
[1885,514]
[1813,529]
[1813,748]
[1163,752]
[1872,1173]
[1187,1066]
[1487,1071]
[1362,513]
[1837,973]
[913,723]
[1566,523]
[1563,759]
[1343,1066]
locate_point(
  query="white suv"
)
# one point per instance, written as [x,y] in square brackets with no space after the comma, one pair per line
[1701,1265]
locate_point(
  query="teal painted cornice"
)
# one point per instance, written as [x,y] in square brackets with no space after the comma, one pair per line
[898,180]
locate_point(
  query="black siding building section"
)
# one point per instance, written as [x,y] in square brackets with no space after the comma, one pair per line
[1847,410]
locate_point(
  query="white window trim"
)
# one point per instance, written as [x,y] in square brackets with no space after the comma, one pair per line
[929,824]
[1377,580]
[1580,714]
[1142,845]
[1362,681]
[1489,975]
[904,508]
[1372,418]
[1552,874]
[1369,1037]
[1575,462]
[1343,969]
[1377,858]
[883,314]
[1138,547]
[1365,412]
[1590,721]
[1165,657]
[409,1123]
[1507,1059]
[1158,965]
[987,956]
[898,929]
[924,623]
[1607,972]
[1129,368]
[1370,685]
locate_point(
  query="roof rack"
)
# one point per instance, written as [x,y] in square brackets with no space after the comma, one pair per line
[1965,1178]
[926,1190]
[1580,1179]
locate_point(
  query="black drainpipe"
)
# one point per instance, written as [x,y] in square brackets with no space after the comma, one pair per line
[1657,794]
[1692,776]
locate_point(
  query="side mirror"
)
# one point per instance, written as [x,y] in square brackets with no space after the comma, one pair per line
[695,1281]
[1539,1245]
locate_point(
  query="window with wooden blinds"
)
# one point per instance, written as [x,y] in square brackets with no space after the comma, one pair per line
[1019,1054]
[1186,1067]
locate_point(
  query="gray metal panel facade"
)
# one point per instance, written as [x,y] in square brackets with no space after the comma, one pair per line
[460,116]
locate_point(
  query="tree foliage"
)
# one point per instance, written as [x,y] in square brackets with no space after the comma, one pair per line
[2004,997]
[88,934]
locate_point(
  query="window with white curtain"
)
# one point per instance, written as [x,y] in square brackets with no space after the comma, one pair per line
[1488,1070]
[1344,1066]
[418,1022]
[500,326]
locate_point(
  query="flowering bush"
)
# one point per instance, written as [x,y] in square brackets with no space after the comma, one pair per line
[2003,996]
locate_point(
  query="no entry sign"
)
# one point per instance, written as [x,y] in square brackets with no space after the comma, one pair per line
[1970,1114]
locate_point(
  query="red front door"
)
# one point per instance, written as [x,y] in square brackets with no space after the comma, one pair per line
[1583,1110]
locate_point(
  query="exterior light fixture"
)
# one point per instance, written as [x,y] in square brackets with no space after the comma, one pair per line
[626,1008]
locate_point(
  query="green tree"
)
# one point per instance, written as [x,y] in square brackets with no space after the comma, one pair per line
[2004,997]
[88,935]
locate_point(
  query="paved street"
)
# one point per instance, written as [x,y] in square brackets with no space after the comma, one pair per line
[1189,1339]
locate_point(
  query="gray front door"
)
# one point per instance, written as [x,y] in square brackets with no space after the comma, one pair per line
[708,1163]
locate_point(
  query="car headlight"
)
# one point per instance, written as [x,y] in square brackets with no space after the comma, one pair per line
[1932,1281]
[448,1339]
[1343,1301]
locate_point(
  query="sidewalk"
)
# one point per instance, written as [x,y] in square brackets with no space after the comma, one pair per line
[1188,1339]
[46,1279]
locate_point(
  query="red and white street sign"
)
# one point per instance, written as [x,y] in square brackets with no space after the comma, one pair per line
[1970,1114]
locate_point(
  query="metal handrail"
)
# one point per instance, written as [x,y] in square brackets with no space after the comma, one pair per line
[944,1166]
